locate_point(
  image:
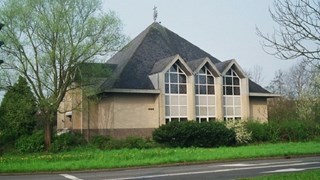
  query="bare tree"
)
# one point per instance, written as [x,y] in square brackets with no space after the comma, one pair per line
[278,85]
[255,74]
[298,33]
[46,41]
[299,79]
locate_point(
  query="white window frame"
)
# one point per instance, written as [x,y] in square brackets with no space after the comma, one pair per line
[178,95]
[234,106]
[207,96]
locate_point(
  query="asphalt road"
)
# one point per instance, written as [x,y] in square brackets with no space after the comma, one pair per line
[221,171]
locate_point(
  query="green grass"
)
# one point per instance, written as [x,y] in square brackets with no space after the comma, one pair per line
[81,159]
[310,174]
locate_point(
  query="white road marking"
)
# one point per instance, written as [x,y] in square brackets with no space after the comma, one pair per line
[213,171]
[285,170]
[291,170]
[68,176]
[259,164]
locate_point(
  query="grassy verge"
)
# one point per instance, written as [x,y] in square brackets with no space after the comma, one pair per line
[310,174]
[81,159]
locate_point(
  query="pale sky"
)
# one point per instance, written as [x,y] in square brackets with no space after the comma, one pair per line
[226,29]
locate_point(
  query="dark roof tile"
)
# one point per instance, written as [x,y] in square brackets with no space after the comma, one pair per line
[161,64]
[150,52]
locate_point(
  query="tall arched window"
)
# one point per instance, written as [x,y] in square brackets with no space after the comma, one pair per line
[205,95]
[175,94]
[231,95]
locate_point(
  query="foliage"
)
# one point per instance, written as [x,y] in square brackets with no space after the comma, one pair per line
[99,141]
[283,131]
[297,130]
[17,112]
[299,88]
[194,134]
[67,141]
[281,108]
[48,48]
[31,143]
[259,131]
[243,136]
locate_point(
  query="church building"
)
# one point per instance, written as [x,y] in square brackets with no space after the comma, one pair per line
[157,78]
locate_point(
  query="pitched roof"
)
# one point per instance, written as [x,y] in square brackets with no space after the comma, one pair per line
[195,63]
[256,88]
[136,60]
[221,66]
[161,64]
[149,52]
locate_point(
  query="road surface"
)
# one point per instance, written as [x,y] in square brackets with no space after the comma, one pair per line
[221,171]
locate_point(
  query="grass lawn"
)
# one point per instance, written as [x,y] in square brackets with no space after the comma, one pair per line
[310,174]
[89,158]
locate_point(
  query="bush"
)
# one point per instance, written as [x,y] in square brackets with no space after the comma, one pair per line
[100,141]
[243,136]
[67,141]
[259,131]
[283,131]
[31,143]
[191,133]
[297,130]
[106,142]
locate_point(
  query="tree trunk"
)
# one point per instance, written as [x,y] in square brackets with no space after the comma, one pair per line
[48,116]
[47,134]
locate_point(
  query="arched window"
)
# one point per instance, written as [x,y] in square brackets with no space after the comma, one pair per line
[231,95]
[205,95]
[175,94]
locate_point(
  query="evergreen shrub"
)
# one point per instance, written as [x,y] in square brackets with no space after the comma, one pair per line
[17,112]
[194,134]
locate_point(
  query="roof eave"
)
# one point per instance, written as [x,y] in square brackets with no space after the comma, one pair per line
[132,91]
[267,95]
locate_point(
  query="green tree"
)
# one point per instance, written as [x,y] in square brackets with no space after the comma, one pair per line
[17,112]
[46,42]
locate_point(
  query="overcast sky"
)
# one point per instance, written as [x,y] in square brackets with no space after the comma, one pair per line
[226,29]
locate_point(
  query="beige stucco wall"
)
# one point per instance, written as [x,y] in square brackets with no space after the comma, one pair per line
[136,111]
[127,111]
[71,103]
[245,110]
[110,112]
[258,109]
